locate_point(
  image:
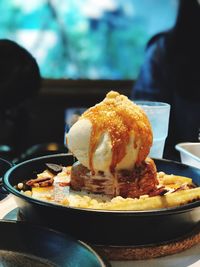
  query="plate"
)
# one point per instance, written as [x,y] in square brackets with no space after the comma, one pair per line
[23,244]
[190,153]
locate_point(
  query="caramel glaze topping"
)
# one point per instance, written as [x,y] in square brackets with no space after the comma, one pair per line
[119,116]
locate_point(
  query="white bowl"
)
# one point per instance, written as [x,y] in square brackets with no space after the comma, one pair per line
[190,153]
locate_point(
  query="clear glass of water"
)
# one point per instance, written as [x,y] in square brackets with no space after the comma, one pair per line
[158,114]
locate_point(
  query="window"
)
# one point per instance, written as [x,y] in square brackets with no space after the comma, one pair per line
[86,39]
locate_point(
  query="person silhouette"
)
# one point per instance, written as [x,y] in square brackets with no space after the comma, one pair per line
[20,82]
[170,73]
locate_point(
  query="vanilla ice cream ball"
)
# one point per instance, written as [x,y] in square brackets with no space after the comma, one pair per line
[113,135]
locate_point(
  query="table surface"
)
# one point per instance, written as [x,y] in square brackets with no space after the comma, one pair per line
[187,258]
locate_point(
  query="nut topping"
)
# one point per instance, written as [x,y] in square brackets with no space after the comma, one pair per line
[40,182]
[54,168]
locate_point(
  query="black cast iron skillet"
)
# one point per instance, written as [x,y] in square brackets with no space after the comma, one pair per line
[23,244]
[4,166]
[103,227]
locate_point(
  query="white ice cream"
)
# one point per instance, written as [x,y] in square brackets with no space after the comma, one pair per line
[78,139]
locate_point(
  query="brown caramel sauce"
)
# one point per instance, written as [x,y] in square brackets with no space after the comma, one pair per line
[119,116]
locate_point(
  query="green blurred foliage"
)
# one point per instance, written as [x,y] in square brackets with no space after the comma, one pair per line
[68,43]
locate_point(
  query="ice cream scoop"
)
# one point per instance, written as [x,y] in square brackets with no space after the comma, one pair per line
[113,135]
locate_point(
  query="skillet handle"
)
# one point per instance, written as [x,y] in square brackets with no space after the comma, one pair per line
[5,165]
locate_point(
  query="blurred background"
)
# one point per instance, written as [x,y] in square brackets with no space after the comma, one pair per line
[84,48]
[81,39]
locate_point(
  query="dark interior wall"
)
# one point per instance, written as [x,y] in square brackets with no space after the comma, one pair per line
[47,121]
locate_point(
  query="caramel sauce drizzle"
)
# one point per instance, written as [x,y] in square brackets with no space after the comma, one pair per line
[118,116]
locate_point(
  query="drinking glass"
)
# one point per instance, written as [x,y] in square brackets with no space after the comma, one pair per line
[158,114]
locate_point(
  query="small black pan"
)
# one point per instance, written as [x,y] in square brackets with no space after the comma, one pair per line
[4,166]
[103,227]
[23,244]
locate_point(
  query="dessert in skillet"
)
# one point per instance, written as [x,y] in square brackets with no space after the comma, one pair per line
[111,142]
